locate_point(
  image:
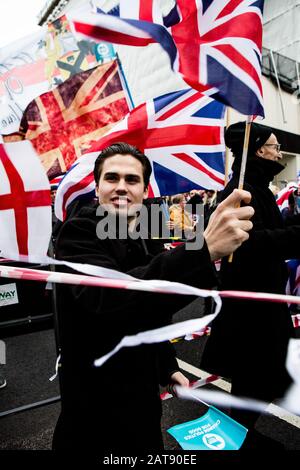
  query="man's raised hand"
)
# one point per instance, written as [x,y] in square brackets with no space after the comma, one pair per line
[229,225]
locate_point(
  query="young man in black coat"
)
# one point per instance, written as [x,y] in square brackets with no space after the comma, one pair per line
[248,341]
[117,407]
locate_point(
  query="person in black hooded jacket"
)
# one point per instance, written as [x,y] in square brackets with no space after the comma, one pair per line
[248,341]
[117,407]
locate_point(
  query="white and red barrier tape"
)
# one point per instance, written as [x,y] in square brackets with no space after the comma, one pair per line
[193,384]
[127,282]
[132,283]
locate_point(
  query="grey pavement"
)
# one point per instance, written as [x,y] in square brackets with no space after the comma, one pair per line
[31,361]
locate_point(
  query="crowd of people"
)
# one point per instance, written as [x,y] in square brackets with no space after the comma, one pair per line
[104,410]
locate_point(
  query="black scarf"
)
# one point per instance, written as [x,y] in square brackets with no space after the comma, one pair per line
[259,171]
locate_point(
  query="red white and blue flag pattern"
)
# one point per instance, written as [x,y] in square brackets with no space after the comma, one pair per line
[211,43]
[219,44]
[182,135]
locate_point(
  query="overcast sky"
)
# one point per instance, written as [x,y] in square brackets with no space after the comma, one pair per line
[18,18]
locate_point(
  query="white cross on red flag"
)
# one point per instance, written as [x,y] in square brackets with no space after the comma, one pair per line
[25,202]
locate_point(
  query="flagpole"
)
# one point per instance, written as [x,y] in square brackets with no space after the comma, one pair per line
[244,161]
[124,81]
[226,148]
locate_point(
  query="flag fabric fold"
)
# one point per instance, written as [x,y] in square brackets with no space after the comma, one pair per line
[25,202]
[36,64]
[224,40]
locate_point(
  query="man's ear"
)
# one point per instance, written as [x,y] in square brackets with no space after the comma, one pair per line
[146,192]
[97,191]
[259,152]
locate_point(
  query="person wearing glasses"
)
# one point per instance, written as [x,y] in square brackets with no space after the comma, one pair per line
[248,341]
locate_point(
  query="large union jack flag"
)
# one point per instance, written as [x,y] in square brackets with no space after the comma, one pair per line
[182,135]
[61,123]
[211,43]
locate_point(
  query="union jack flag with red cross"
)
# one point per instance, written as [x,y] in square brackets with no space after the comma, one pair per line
[182,135]
[211,43]
[219,44]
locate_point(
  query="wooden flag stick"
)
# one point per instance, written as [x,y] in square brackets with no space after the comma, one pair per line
[227,149]
[244,160]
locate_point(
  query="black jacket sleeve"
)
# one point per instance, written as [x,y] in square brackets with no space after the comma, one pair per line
[166,362]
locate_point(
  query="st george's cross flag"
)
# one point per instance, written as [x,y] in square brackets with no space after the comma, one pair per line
[25,202]
[55,181]
[62,123]
[182,135]
[211,43]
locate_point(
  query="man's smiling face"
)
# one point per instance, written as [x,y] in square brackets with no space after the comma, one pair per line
[121,184]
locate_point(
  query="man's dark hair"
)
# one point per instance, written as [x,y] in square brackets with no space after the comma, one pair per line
[177,199]
[123,149]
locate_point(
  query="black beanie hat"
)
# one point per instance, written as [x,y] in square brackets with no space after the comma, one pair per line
[234,137]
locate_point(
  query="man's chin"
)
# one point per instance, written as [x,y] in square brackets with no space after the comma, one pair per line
[118,210]
[122,211]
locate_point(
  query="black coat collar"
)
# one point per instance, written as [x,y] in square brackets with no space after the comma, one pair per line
[259,171]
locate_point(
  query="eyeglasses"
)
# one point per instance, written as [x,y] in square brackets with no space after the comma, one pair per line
[277,146]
